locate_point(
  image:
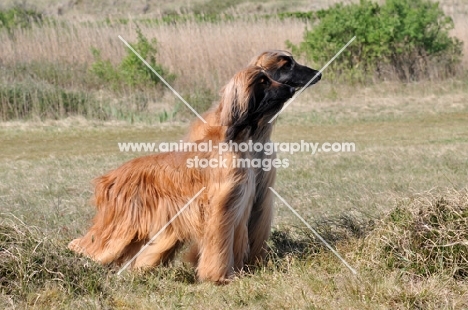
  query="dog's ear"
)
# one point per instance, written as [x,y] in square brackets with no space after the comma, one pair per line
[241,104]
[235,105]
[242,118]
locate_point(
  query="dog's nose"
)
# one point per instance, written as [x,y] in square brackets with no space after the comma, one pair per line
[292,90]
[319,76]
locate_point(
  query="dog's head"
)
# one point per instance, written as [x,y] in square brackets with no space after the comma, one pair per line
[282,67]
[250,100]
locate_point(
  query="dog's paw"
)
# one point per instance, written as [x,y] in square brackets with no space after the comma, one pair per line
[74,245]
[224,281]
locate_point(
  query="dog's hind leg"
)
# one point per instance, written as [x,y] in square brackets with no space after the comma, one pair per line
[241,246]
[134,248]
[193,254]
[161,250]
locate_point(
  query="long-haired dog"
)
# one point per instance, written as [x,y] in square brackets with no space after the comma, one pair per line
[136,200]
[281,67]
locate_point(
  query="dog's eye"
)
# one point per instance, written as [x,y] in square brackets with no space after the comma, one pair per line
[264,81]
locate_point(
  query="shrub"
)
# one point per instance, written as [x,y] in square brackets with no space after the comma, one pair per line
[132,71]
[409,39]
[18,17]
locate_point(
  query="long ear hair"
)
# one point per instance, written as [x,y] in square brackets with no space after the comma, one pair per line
[237,98]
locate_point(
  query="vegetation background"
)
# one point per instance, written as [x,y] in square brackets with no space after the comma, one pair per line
[396,209]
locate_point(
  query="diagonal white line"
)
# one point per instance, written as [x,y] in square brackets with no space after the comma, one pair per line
[313,79]
[315,232]
[162,79]
[159,232]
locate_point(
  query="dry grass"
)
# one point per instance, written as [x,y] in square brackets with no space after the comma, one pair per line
[203,57]
[195,52]
[424,236]
[200,54]
[461,32]
[57,58]
[51,63]
[150,8]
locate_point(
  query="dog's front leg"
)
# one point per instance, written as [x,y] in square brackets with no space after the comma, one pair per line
[261,215]
[216,262]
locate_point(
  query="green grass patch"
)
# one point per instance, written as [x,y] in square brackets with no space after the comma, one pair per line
[28,100]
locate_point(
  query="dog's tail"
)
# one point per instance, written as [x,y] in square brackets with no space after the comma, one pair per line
[135,201]
[125,212]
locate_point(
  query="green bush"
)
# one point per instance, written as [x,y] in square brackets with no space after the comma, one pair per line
[18,17]
[132,71]
[402,38]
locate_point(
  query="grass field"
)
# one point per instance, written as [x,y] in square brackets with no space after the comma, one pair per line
[409,147]
[396,209]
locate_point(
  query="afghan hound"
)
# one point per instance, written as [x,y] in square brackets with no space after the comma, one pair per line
[281,67]
[135,201]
